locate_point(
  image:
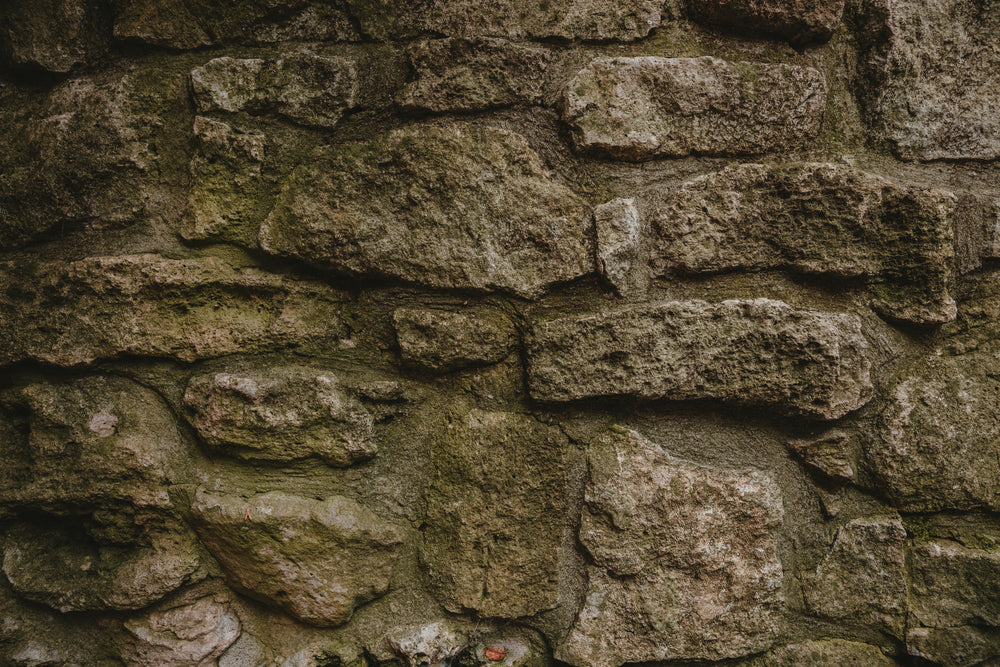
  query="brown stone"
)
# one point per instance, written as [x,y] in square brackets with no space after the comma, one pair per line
[440,341]
[798,21]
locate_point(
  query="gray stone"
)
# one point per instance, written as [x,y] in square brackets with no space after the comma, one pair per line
[685,559]
[440,341]
[757,352]
[647,107]
[863,578]
[102,307]
[316,559]
[620,232]
[931,86]
[798,21]
[819,219]
[495,513]
[953,585]
[474,74]
[829,454]
[305,88]
[463,643]
[822,653]
[962,646]
[281,414]
[194,633]
[55,35]
[458,206]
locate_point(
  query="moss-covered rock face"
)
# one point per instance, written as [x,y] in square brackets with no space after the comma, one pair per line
[823,653]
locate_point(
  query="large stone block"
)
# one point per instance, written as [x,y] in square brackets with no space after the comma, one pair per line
[440,341]
[798,21]
[458,206]
[102,307]
[648,107]
[181,635]
[316,559]
[495,513]
[820,219]
[954,585]
[685,559]
[758,352]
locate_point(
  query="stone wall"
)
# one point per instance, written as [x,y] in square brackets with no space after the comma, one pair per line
[343,333]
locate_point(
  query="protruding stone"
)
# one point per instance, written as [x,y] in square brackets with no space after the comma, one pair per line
[194,633]
[440,341]
[281,414]
[315,559]
[463,643]
[863,578]
[305,88]
[458,206]
[822,653]
[829,454]
[619,244]
[474,74]
[55,35]
[798,21]
[104,307]
[757,352]
[962,646]
[686,563]
[495,510]
[977,231]
[820,219]
[953,585]
[647,107]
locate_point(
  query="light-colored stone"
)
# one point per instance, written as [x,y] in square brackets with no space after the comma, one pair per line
[440,341]
[647,107]
[281,414]
[822,653]
[495,513]
[758,352]
[460,642]
[316,559]
[798,21]
[863,578]
[305,88]
[103,307]
[458,206]
[818,219]
[829,454]
[962,646]
[953,585]
[685,559]
[620,236]
[190,635]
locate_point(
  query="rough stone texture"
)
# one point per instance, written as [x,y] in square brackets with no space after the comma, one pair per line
[55,35]
[863,578]
[316,559]
[624,20]
[195,633]
[758,352]
[453,206]
[620,232]
[453,642]
[798,21]
[647,107]
[474,74]
[440,341]
[686,563]
[931,78]
[829,454]
[281,414]
[100,307]
[494,529]
[822,653]
[820,219]
[953,585]
[977,231]
[962,646]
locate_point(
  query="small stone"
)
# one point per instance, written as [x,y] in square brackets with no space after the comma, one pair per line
[619,243]
[461,642]
[962,646]
[474,74]
[163,23]
[316,559]
[456,206]
[818,219]
[685,556]
[440,341]
[977,231]
[305,88]
[758,352]
[55,35]
[822,653]
[798,21]
[863,578]
[191,634]
[495,513]
[648,107]
[281,414]
[953,585]
[829,454]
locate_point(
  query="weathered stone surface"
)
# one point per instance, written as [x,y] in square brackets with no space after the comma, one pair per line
[977,231]
[494,517]
[55,35]
[68,571]
[88,441]
[303,87]
[474,74]
[757,352]
[443,340]
[962,646]
[829,454]
[193,633]
[316,559]
[798,21]
[647,107]
[447,206]
[815,218]
[953,585]
[863,578]
[281,414]
[620,232]
[464,643]
[623,20]
[931,85]
[686,563]
[101,307]
[822,653]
